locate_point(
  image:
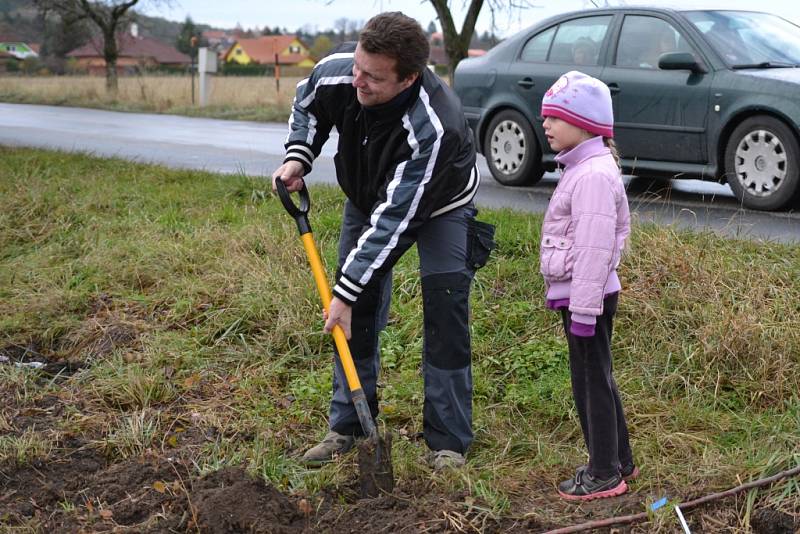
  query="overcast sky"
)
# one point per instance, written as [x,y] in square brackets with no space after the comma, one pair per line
[321,14]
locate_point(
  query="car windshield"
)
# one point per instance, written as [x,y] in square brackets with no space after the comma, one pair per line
[748,39]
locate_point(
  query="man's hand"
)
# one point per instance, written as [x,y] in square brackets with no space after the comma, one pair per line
[291,173]
[339,313]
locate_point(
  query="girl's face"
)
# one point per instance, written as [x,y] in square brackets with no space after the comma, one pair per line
[562,135]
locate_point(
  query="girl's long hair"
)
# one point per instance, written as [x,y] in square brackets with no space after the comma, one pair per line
[612,146]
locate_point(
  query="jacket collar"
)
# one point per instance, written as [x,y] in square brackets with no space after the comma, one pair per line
[588,149]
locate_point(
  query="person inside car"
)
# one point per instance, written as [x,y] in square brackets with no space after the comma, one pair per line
[662,44]
[584,52]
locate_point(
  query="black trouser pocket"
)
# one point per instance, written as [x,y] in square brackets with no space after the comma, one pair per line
[480,243]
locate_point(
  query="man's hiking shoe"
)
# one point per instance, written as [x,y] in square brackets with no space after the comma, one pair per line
[585,487]
[445,459]
[333,444]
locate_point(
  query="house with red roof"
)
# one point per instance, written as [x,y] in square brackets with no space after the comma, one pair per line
[290,51]
[135,52]
[219,40]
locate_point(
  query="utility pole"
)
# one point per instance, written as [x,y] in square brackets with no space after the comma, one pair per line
[277,74]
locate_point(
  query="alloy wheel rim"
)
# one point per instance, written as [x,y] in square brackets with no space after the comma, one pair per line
[508,147]
[760,163]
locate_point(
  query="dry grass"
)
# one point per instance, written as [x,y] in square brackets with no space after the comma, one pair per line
[162,94]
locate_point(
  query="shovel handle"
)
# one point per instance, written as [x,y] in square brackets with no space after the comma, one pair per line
[325,296]
[298,213]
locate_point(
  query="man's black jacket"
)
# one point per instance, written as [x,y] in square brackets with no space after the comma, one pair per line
[402,163]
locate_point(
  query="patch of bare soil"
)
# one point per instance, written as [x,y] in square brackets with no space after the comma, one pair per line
[83,493]
[79,490]
[231,501]
[412,509]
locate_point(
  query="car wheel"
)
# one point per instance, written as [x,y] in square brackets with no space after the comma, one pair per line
[511,150]
[761,163]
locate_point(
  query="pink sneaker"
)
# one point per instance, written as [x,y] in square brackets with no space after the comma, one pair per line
[585,487]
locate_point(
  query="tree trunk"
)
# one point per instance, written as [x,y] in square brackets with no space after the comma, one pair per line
[110,54]
[456,50]
[112,85]
[107,16]
[456,45]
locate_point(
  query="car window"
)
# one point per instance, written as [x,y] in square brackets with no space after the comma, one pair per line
[578,41]
[744,39]
[536,48]
[643,39]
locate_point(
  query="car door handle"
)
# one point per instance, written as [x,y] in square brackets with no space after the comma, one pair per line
[526,83]
[614,88]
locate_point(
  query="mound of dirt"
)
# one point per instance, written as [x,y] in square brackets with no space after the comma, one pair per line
[230,501]
[770,521]
[82,492]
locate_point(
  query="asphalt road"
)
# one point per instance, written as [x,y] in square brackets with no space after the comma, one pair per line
[256,149]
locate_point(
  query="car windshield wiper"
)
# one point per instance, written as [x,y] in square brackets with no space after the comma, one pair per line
[765,65]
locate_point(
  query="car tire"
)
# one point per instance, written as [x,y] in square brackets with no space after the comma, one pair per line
[762,163]
[511,150]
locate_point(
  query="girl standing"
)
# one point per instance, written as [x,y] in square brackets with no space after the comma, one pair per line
[583,234]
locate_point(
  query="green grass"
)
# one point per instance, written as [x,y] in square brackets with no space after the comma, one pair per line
[132,436]
[188,295]
[27,447]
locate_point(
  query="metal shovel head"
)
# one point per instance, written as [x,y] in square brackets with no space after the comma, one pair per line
[375,474]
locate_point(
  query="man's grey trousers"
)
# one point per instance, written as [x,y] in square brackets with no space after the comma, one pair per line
[444,249]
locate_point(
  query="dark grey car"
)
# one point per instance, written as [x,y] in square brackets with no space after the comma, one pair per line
[697,94]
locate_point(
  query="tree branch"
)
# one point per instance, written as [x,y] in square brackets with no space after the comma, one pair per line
[627,519]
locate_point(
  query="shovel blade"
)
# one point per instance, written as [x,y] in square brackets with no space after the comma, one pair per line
[375,473]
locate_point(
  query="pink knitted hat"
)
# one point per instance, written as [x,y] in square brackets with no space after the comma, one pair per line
[582,101]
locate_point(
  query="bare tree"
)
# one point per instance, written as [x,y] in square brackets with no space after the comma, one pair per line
[109,16]
[340,25]
[354,27]
[456,43]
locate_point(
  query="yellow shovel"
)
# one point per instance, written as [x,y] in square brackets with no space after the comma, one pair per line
[374,453]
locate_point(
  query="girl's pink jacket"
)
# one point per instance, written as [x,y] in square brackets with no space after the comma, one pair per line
[584,230]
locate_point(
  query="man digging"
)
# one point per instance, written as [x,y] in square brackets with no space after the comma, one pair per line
[406,163]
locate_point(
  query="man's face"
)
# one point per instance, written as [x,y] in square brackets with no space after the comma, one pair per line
[375,78]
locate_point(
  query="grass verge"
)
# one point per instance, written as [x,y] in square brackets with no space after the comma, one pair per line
[183,302]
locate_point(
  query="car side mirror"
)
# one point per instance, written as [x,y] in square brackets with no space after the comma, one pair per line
[680,61]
